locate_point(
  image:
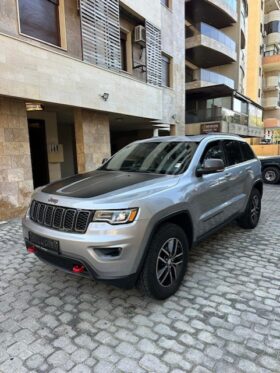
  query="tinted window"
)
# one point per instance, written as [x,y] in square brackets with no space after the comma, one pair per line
[170,158]
[39,19]
[213,151]
[233,152]
[247,151]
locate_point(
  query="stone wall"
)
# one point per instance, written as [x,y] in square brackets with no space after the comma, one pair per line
[16,183]
[92,134]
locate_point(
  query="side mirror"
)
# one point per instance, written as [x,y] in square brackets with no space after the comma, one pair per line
[104,160]
[210,166]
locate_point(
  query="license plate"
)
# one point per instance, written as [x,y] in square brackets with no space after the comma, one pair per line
[44,243]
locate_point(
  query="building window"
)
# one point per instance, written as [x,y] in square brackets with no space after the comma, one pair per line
[259,93]
[260,71]
[273,26]
[123,51]
[166,70]
[40,19]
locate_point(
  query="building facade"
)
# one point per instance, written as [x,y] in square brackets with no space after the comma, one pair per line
[271,72]
[216,67]
[80,79]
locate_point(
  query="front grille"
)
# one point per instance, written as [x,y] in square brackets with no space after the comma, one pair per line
[60,218]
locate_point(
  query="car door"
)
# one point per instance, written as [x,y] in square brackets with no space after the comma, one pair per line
[211,192]
[236,175]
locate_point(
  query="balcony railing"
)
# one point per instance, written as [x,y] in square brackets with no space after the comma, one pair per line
[216,114]
[272,51]
[212,77]
[217,35]
[232,4]
[271,102]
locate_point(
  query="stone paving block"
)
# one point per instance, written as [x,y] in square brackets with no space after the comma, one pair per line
[225,318]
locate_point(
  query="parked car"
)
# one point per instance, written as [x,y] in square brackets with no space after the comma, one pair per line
[271,169]
[135,218]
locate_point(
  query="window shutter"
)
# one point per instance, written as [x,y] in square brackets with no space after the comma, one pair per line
[153,46]
[101,32]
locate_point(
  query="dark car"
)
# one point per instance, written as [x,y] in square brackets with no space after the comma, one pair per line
[271,169]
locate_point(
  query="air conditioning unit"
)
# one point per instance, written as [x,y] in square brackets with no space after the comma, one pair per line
[140,35]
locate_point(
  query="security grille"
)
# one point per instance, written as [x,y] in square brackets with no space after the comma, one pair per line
[60,218]
[153,46]
[101,32]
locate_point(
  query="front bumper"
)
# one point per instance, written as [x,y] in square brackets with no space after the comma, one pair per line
[91,248]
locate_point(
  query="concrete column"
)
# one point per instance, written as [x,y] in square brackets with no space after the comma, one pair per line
[92,132]
[16,182]
[173,130]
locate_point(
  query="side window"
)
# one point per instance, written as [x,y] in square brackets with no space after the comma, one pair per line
[213,150]
[247,151]
[233,152]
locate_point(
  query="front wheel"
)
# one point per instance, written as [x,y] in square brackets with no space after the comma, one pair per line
[271,175]
[251,216]
[166,262]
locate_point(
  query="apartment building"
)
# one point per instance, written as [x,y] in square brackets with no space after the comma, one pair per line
[216,67]
[271,72]
[80,79]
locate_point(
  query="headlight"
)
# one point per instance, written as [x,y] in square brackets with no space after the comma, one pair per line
[116,216]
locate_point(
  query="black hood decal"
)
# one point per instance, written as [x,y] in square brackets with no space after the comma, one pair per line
[96,183]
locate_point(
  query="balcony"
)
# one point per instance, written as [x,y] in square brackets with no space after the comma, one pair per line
[271,83]
[271,103]
[218,13]
[210,47]
[271,5]
[217,114]
[203,78]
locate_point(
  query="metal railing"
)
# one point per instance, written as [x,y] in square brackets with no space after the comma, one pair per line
[217,35]
[216,114]
[212,77]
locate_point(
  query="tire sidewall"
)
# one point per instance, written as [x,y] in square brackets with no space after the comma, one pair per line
[277,175]
[254,193]
[162,235]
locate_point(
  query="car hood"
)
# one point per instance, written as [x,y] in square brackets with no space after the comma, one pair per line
[99,183]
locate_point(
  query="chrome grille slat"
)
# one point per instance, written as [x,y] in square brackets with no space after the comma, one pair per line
[49,215]
[69,219]
[60,218]
[82,220]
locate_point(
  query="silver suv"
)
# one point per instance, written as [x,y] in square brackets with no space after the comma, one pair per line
[135,218]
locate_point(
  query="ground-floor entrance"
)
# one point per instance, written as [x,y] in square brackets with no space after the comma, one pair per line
[52,142]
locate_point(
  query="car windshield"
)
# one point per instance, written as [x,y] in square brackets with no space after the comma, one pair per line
[170,158]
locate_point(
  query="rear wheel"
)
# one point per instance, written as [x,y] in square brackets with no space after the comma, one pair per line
[251,217]
[271,175]
[166,262]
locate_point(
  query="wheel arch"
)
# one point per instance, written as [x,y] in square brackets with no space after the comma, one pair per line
[259,186]
[182,219]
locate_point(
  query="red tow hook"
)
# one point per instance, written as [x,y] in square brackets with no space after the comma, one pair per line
[32,249]
[78,268]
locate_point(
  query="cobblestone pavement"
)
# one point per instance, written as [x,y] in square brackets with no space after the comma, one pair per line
[225,318]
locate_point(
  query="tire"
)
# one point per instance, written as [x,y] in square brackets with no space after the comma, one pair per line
[271,175]
[164,268]
[251,216]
